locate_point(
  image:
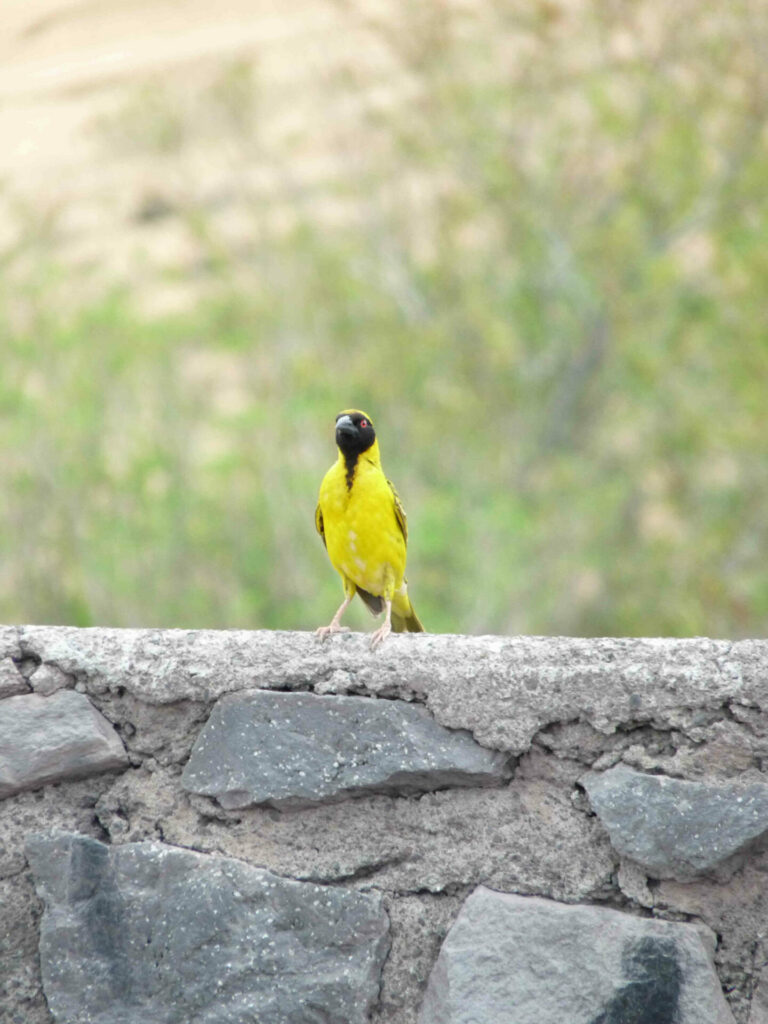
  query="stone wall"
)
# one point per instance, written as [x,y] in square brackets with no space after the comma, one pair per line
[233,826]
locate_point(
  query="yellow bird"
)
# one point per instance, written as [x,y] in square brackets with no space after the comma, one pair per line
[363,526]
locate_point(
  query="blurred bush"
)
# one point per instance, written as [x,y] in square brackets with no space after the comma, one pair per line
[542,271]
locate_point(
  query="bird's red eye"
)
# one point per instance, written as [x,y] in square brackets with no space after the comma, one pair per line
[363,423]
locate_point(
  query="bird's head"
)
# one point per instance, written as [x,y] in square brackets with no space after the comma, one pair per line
[354,432]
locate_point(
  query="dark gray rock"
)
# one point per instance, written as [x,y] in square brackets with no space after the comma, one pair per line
[148,932]
[525,960]
[298,750]
[674,828]
[48,739]
[12,682]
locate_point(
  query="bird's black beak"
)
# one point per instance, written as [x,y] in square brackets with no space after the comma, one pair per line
[345,428]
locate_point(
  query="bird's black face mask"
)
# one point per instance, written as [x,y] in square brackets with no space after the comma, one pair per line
[354,434]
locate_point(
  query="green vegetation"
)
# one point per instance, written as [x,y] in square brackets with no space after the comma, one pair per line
[551,294]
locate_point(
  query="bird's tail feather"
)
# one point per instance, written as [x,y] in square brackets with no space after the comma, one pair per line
[410,624]
[404,620]
[374,604]
[407,623]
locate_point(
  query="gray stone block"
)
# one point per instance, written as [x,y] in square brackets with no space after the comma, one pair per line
[148,932]
[12,682]
[674,828]
[526,960]
[299,750]
[49,739]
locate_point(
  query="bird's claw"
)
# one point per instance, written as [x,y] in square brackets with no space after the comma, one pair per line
[323,631]
[380,635]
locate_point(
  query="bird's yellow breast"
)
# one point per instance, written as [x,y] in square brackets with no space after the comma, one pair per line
[362,534]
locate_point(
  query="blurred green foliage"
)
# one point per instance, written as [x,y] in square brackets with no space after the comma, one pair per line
[551,296]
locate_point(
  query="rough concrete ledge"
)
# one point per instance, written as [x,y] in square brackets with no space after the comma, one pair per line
[556,708]
[467,682]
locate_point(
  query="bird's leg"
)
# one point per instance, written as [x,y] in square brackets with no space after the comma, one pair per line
[335,626]
[385,628]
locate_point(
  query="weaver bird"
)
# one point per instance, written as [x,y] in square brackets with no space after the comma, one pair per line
[363,526]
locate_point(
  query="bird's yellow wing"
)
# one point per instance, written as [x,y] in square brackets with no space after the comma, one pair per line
[402,519]
[319,525]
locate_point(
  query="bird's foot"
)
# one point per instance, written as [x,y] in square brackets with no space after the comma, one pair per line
[380,634]
[323,631]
